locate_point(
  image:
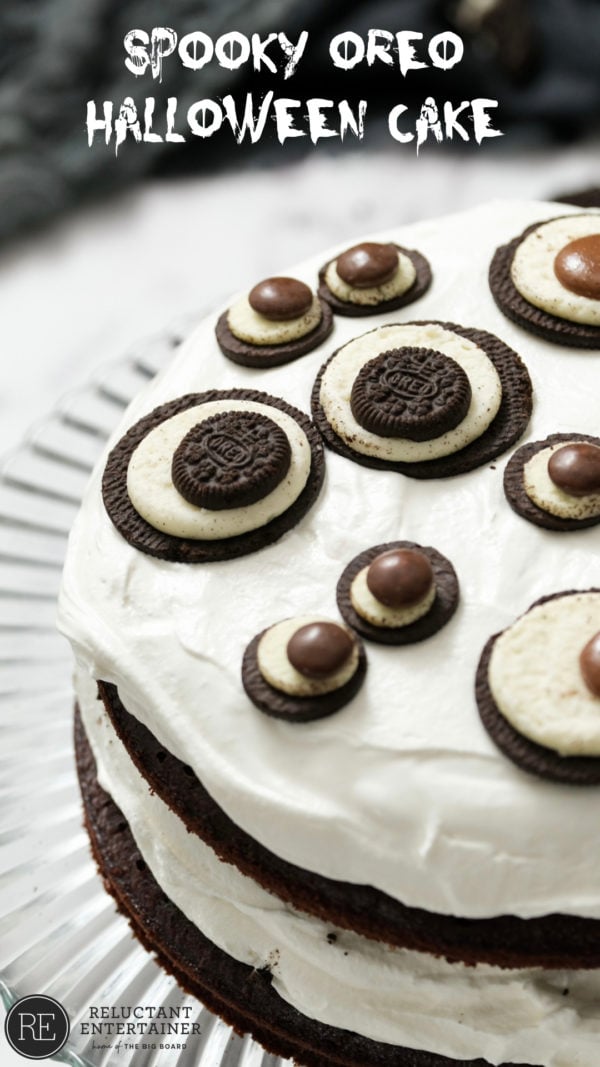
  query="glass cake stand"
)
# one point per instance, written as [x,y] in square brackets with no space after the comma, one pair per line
[59,931]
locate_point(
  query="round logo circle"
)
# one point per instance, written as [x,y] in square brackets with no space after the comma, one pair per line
[37,1027]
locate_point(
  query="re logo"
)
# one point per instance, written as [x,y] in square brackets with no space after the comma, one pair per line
[36,1027]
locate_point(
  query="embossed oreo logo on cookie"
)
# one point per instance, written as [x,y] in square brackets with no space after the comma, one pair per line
[415,393]
[231,460]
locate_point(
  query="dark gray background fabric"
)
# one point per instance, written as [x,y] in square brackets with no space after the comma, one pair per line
[539,59]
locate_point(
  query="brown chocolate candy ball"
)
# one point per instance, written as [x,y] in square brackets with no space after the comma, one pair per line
[400,577]
[319,649]
[589,663]
[576,469]
[577,266]
[280,299]
[368,264]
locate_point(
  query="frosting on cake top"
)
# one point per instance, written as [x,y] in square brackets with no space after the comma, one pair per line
[402,789]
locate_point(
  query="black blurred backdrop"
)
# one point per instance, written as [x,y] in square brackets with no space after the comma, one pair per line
[539,58]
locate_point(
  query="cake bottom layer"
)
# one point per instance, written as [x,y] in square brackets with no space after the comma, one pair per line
[242,995]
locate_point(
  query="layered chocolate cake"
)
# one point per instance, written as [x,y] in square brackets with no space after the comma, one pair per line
[338,704]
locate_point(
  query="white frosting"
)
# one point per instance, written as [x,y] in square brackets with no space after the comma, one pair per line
[276,668]
[532,269]
[536,681]
[371,609]
[541,489]
[248,325]
[155,498]
[339,377]
[391,995]
[397,285]
[408,759]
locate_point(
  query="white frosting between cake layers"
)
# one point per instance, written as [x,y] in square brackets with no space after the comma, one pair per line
[402,789]
[403,998]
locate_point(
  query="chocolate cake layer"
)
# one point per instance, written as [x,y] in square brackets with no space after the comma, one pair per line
[241,995]
[552,941]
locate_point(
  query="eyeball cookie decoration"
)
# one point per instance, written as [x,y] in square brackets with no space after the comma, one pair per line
[538,689]
[426,399]
[303,668]
[555,483]
[547,280]
[279,320]
[371,278]
[398,593]
[213,476]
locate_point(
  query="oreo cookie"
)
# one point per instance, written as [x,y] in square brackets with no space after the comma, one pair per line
[441,611]
[418,289]
[508,425]
[410,392]
[519,499]
[248,355]
[516,308]
[146,538]
[231,460]
[531,757]
[282,705]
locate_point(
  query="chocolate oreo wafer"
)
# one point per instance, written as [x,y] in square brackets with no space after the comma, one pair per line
[415,393]
[541,323]
[231,460]
[418,289]
[521,502]
[440,612]
[249,355]
[509,424]
[280,705]
[146,538]
[528,755]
